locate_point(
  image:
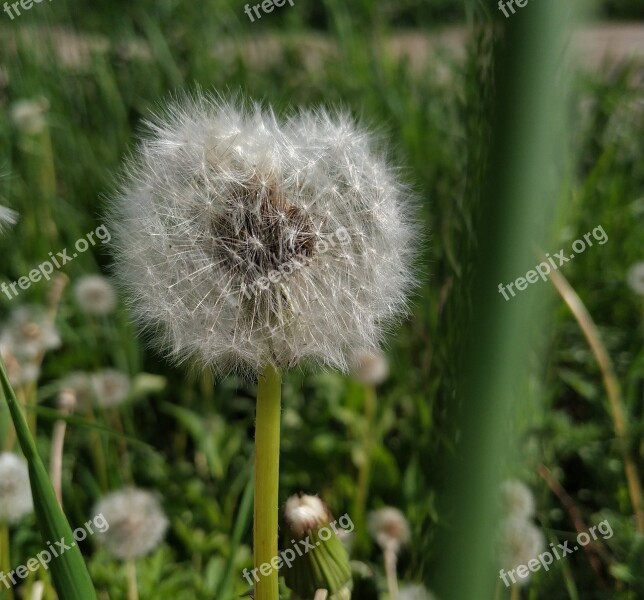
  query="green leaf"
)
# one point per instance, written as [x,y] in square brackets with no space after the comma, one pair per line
[69,572]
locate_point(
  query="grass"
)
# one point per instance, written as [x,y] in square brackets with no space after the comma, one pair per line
[191,438]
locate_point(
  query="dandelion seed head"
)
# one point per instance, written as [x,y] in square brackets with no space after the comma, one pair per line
[370,367]
[519,541]
[110,388]
[244,241]
[95,295]
[635,278]
[389,527]
[137,523]
[415,592]
[8,218]
[15,492]
[78,384]
[518,500]
[28,333]
[28,116]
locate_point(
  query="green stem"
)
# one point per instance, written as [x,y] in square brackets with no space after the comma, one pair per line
[364,470]
[5,560]
[267,448]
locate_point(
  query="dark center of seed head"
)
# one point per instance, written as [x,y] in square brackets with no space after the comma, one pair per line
[267,233]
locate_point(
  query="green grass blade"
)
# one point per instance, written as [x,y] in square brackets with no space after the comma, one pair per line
[68,570]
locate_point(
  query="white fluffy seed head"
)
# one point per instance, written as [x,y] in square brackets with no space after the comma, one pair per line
[137,523]
[370,367]
[303,513]
[8,218]
[28,116]
[21,372]
[110,388]
[517,498]
[15,493]
[244,241]
[635,278]
[28,333]
[389,527]
[519,541]
[95,295]
[415,592]
[79,385]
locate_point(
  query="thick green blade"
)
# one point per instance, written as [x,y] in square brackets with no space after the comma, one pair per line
[68,570]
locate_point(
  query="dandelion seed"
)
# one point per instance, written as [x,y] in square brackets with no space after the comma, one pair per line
[28,116]
[519,542]
[28,333]
[110,388]
[220,204]
[635,278]
[370,367]
[15,492]
[95,295]
[518,500]
[137,523]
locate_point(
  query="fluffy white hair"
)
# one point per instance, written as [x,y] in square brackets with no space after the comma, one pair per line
[15,492]
[245,241]
[95,295]
[137,523]
[519,541]
[518,500]
[8,218]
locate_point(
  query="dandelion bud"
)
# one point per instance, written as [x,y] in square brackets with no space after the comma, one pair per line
[15,492]
[319,559]
[389,527]
[136,523]
[518,500]
[95,295]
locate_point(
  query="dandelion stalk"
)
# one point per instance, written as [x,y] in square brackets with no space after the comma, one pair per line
[390,571]
[267,446]
[5,560]
[132,585]
[613,389]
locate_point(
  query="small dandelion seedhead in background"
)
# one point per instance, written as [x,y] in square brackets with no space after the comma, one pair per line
[519,541]
[517,498]
[415,592]
[635,278]
[110,388]
[28,116]
[370,367]
[28,333]
[8,218]
[79,384]
[15,492]
[95,295]
[137,523]
[20,372]
[243,241]
[389,527]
